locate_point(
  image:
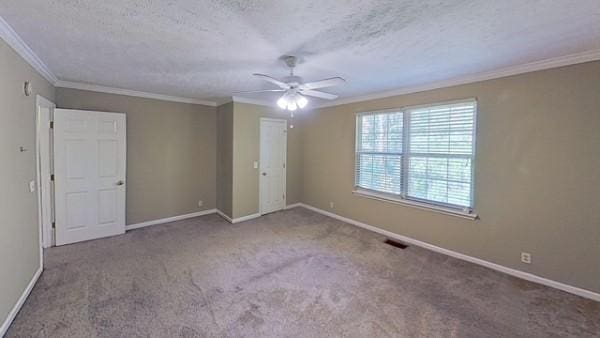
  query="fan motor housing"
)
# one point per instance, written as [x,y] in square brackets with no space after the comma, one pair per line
[290,60]
[293,80]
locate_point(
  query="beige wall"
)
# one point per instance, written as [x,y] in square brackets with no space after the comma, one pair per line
[225,158]
[19,229]
[537,173]
[171,152]
[246,150]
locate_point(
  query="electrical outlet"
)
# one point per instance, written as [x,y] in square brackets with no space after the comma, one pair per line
[200,203]
[331,205]
[526,257]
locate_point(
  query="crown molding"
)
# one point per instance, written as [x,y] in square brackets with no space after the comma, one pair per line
[14,40]
[128,92]
[8,34]
[562,61]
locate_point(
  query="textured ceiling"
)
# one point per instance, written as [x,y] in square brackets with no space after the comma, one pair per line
[209,49]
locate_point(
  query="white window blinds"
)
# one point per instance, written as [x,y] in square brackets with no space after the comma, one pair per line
[379,164]
[424,154]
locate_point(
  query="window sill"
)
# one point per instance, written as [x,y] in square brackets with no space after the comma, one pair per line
[415,204]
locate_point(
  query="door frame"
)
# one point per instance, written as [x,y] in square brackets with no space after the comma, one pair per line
[44,219]
[260,150]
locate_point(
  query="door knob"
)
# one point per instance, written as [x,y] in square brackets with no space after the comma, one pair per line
[264,174]
[120,182]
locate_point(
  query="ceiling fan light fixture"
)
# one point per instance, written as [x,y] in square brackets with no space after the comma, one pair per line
[295,90]
[301,101]
[292,106]
[282,102]
[292,102]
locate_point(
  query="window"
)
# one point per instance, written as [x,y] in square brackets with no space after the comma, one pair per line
[424,154]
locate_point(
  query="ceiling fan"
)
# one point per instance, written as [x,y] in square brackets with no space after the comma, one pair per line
[295,91]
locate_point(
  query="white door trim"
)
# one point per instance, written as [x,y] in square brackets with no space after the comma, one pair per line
[260,180]
[19,304]
[273,120]
[44,170]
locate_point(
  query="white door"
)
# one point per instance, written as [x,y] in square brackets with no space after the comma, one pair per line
[89,169]
[44,164]
[273,152]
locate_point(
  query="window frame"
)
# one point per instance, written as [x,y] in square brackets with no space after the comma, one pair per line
[403,198]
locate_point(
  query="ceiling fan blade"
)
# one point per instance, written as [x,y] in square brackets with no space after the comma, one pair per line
[319,94]
[260,91]
[273,80]
[334,81]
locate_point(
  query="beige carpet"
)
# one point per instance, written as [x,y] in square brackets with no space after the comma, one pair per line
[289,274]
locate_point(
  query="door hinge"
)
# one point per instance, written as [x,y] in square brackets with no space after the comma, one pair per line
[283,196]
[284,165]
[53,225]
[52,177]
[51,124]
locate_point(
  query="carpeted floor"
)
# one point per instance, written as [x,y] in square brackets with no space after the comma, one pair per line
[289,274]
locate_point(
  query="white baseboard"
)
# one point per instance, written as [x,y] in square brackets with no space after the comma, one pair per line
[245,218]
[169,219]
[513,272]
[292,206]
[13,313]
[239,219]
[222,214]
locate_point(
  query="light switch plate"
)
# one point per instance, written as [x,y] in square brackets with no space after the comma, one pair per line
[255,164]
[32,186]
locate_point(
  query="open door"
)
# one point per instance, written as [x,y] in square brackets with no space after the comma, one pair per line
[89,169]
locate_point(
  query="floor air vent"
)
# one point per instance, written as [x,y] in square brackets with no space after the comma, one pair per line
[396,244]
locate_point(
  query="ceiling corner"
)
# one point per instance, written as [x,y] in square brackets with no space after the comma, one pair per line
[8,34]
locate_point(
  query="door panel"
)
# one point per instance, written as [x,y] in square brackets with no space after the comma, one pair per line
[107,127]
[107,206]
[75,125]
[76,210]
[273,148]
[90,152]
[75,151]
[108,165]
